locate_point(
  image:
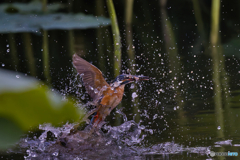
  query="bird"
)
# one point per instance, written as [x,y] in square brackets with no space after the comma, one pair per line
[104,96]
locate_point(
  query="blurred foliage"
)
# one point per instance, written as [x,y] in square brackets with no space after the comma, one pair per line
[23,105]
[15,23]
[31,7]
[16,18]
[116,38]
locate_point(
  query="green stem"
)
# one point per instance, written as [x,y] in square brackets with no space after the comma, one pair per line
[170,45]
[102,63]
[214,39]
[29,53]
[71,43]
[116,38]
[174,62]
[129,10]
[46,57]
[131,52]
[215,22]
[217,89]
[198,17]
[44,6]
[129,38]
[13,50]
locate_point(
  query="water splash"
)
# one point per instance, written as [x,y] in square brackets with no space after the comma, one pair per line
[119,140]
[127,141]
[128,133]
[124,141]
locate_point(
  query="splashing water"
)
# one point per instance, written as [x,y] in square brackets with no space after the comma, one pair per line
[118,141]
[124,141]
[127,141]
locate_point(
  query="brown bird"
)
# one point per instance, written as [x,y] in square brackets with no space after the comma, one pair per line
[105,96]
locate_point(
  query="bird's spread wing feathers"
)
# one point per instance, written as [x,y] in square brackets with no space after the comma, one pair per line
[91,75]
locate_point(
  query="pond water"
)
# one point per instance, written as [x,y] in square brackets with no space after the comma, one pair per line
[174,115]
[171,124]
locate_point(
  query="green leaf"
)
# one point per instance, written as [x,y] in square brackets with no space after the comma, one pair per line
[31,7]
[14,82]
[15,23]
[9,134]
[24,105]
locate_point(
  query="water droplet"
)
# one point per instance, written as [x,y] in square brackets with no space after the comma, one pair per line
[55,154]
[17,76]
[132,86]
[83,97]
[161,90]
[155,116]
[219,127]
[34,154]
[134,95]
[95,91]
[3,65]
[104,88]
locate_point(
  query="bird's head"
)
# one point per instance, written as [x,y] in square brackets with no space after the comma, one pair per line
[124,79]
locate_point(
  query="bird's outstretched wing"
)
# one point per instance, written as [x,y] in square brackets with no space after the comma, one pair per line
[91,75]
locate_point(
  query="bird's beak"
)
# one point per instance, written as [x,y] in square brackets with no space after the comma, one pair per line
[140,78]
[143,78]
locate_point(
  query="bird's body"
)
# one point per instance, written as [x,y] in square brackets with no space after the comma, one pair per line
[105,97]
[111,98]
